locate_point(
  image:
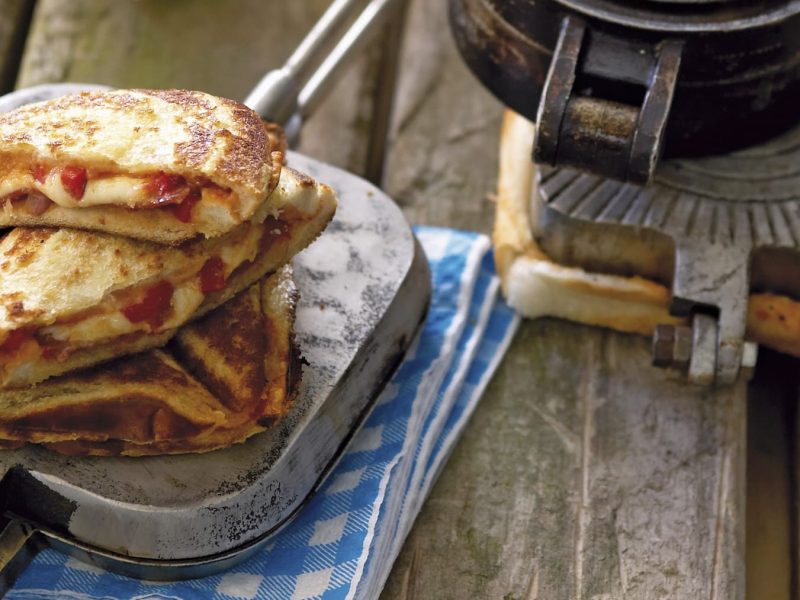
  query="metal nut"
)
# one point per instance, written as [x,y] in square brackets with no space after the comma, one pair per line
[672,346]
[663,345]
[682,346]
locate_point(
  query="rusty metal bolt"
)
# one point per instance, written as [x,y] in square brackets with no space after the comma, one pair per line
[663,345]
[672,345]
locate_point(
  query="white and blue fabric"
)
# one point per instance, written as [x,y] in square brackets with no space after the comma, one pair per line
[343,543]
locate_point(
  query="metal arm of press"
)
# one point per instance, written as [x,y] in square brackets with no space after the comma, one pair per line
[288,95]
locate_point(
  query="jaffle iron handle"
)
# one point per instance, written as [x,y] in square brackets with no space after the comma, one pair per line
[16,550]
[291,93]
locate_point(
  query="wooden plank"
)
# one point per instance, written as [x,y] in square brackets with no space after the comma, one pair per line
[585,473]
[442,162]
[769,495]
[16,15]
[220,47]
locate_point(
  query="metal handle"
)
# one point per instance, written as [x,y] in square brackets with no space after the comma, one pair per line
[605,103]
[16,551]
[295,90]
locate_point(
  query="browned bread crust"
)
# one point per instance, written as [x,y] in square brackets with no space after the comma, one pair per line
[187,398]
[139,132]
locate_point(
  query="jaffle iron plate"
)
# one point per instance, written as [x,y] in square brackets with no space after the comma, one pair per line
[364,288]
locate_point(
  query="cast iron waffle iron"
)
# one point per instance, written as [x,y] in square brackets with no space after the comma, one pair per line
[612,82]
[364,288]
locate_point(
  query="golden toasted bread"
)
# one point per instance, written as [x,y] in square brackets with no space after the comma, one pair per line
[228,376]
[70,299]
[160,165]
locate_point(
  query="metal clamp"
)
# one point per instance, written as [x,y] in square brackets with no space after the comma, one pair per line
[605,103]
[291,93]
[711,286]
[694,349]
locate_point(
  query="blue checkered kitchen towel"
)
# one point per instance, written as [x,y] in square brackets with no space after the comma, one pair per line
[343,543]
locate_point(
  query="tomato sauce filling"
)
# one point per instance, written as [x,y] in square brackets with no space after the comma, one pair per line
[15,339]
[212,275]
[74,181]
[183,211]
[154,307]
[163,190]
[40,173]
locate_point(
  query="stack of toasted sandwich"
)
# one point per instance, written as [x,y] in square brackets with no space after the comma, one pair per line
[146,302]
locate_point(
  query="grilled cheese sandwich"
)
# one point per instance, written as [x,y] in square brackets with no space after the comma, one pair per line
[191,163]
[70,298]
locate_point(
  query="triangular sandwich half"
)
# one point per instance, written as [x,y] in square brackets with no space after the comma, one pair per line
[159,165]
[70,299]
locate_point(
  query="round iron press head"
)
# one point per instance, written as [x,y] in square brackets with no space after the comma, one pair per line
[611,83]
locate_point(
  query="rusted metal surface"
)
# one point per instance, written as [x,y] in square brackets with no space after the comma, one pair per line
[691,74]
[672,346]
[605,103]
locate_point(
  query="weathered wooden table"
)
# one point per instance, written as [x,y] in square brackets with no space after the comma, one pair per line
[585,473]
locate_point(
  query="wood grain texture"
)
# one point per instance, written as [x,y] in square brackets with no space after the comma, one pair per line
[769,529]
[772,430]
[219,47]
[585,473]
[14,20]
[442,156]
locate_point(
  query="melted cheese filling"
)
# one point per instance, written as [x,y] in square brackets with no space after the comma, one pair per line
[115,189]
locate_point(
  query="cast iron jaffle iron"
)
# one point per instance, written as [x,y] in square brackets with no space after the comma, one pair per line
[612,83]
[364,290]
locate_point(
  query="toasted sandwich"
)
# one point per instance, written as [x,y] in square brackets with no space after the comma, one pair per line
[70,298]
[158,165]
[225,377]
